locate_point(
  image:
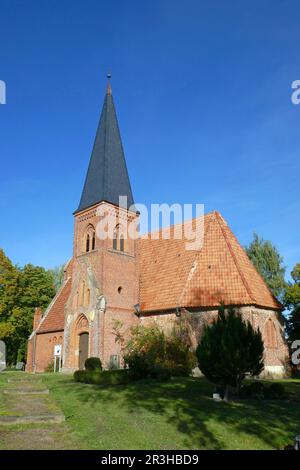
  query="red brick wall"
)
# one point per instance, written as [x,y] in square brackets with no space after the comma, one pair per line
[29,358]
[44,349]
[275,358]
[107,272]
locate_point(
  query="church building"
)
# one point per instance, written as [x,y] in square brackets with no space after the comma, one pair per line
[127,281]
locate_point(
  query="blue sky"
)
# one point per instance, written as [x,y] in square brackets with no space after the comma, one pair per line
[203,96]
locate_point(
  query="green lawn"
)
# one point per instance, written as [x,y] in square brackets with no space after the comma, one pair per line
[176,415]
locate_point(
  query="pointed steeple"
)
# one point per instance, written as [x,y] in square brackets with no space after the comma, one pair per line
[107,177]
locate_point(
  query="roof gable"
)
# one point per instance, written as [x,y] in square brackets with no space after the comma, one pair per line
[171,276]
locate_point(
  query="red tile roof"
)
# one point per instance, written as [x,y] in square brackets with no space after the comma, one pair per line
[171,276]
[54,317]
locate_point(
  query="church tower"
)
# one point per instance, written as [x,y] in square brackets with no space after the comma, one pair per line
[105,269]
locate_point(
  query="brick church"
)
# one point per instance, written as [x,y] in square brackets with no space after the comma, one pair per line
[143,279]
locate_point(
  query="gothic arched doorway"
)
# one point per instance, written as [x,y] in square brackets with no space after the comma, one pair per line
[83,349]
[82,341]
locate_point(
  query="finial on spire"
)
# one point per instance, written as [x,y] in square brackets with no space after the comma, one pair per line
[108,90]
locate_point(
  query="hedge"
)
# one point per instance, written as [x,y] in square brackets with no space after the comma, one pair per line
[93,363]
[105,377]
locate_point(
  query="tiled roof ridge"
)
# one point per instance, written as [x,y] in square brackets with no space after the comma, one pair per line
[219,218]
[160,230]
[189,278]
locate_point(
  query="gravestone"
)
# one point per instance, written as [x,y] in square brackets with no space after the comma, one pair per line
[20,366]
[2,355]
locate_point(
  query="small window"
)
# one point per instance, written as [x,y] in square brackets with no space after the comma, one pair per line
[121,243]
[87,243]
[115,242]
[118,240]
[93,241]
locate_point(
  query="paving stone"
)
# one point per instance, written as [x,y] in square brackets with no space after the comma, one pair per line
[32,419]
[19,391]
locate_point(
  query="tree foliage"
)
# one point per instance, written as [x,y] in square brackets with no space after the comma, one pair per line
[229,349]
[21,290]
[57,274]
[152,353]
[269,264]
[292,301]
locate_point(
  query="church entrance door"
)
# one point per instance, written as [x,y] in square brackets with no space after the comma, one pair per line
[83,349]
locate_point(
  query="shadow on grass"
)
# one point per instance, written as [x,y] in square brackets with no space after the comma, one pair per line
[186,405]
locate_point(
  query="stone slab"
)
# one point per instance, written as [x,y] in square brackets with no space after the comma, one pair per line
[15,391]
[32,419]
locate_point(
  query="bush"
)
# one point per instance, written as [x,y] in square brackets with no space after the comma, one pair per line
[276,391]
[256,390]
[150,353]
[50,367]
[93,363]
[79,375]
[260,390]
[106,377]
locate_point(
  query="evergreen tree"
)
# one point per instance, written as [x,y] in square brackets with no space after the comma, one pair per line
[269,264]
[229,349]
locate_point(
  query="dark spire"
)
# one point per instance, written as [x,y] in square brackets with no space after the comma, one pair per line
[107,176]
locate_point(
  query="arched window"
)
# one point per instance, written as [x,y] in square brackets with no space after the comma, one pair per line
[270,334]
[89,239]
[118,239]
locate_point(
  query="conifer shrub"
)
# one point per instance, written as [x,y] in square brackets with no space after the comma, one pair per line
[229,350]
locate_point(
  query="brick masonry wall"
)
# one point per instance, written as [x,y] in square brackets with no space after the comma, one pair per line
[29,358]
[275,358]
[104,272]
[44,350]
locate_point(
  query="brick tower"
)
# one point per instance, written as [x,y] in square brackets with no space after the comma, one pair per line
[105,268]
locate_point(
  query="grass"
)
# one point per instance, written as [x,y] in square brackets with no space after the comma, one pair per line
[179,414]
